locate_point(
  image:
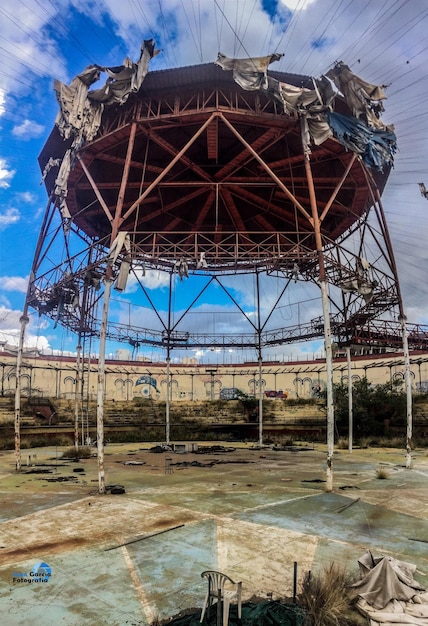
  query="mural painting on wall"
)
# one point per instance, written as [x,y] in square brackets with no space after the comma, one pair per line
[318,388]
[145,385]
[276,394]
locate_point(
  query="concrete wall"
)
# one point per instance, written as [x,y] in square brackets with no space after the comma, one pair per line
[55,377]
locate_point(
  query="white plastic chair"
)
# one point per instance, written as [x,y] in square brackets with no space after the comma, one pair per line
[217,592]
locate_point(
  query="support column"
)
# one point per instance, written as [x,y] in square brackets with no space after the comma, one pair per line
[403,319]
[350,402]
[408,386]
[329,373]
[168,363]
[316,224]
[168,392]
[77,397]
[260,402]
[24,321]
[101,384]
[259,333]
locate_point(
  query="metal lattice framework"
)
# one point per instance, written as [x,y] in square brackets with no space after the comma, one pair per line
[208,179]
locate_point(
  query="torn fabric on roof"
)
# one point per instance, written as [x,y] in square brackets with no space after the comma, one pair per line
[125,79]
[250,74]
[122,241]
[376,147]
[78,117]
[363,98]
[80,111]
[364,133]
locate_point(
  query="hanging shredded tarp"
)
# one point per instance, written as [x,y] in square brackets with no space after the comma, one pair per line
[376,147]
[80,111]
[362,132]
[251,73]
[363,98]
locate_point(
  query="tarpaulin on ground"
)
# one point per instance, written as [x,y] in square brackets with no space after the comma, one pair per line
[269,613]
[388,594]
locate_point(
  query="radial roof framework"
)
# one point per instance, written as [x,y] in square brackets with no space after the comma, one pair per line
[218,169]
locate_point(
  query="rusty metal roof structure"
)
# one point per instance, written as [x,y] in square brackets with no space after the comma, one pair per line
[217,199]
[193,174]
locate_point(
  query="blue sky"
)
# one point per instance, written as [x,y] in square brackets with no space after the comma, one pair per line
[383,42]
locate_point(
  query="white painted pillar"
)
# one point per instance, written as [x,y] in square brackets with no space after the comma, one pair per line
[24,321]
[350,402]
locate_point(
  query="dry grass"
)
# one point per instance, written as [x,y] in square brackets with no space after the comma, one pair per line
[382,473]
[324,597]
[83,452]
[342,443]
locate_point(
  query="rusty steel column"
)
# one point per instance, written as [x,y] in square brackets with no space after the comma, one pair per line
[316,224]
[101,385]
[108,280]
[403,320]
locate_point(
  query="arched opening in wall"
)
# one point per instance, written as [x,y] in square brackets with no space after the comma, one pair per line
[307,384]
[119,388]
[69,387]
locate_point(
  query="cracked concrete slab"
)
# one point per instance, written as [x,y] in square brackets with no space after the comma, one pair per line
[130,558]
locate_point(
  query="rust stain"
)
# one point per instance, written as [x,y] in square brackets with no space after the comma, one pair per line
[48,547]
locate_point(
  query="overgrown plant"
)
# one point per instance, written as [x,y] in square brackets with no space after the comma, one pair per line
[375,407]
[324,598]
[382,473]
[82,452]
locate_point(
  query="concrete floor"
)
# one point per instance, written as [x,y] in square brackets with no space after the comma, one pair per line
[131,558]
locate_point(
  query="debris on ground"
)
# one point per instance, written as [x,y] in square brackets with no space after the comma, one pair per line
[213,449]
[131,462]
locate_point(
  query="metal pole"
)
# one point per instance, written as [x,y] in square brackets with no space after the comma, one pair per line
[260,403]
[350,403]
[101,383]
[168,386]
[24,321]
[259,330]
[408,393]
[294,582]
[316,224]
[76,398]
[168,361]
[329,372]
[403,320]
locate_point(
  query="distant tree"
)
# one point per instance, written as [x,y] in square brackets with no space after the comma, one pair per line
[371,406]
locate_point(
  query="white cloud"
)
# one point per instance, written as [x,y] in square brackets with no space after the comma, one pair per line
[14,283]
[10,329]
[27,45]
[297,5]
[27,197]
[10,216]
[2,102]
[5,174]
[28,129]
[151,279]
